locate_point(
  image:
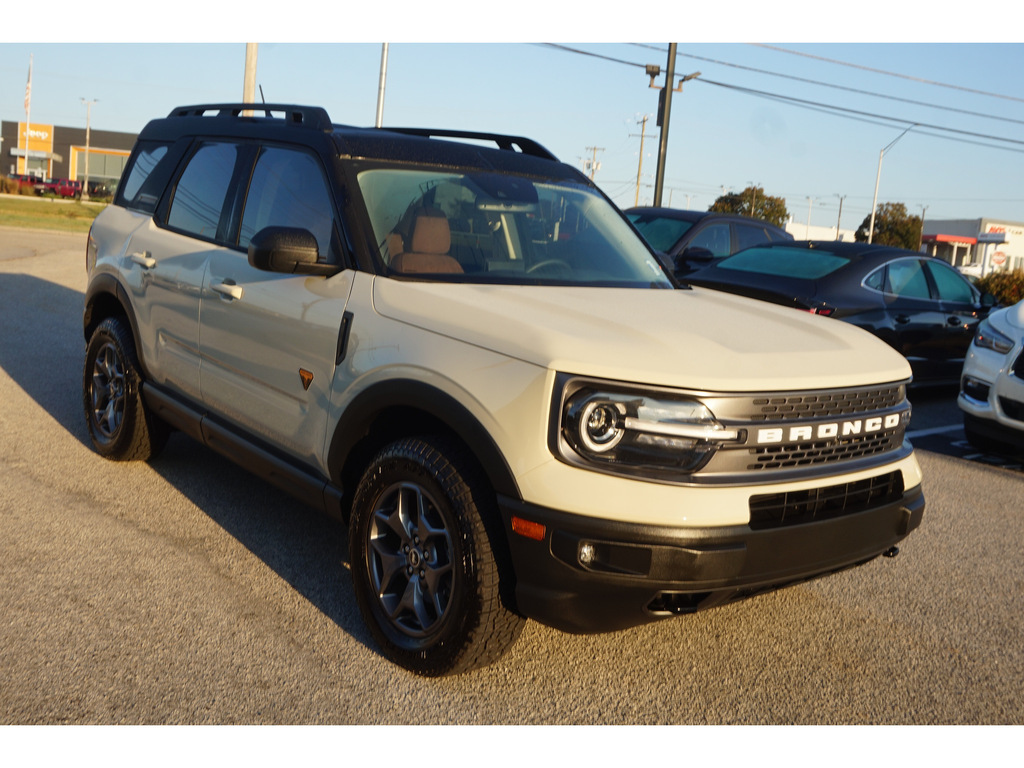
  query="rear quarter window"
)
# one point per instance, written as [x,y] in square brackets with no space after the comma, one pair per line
[142,188]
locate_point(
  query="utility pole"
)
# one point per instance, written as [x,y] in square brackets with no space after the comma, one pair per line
[249,80]
[380,85]
[664,112]
[640,165]
[753,199]
[840,218]
[663,115]
[88,120]
[920,240]
[594,165]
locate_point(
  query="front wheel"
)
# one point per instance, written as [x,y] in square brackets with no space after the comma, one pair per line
[425,571]
[119,424]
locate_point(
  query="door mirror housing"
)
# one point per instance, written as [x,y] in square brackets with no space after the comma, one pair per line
[288,250]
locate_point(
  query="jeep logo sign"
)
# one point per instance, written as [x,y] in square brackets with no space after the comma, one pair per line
[828,430]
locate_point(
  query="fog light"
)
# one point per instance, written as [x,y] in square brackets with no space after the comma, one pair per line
[587,553]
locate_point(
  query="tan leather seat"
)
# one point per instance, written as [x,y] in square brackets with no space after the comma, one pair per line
[428,252]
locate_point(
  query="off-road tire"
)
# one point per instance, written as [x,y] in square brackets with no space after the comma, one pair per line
[425,571]
[120,426]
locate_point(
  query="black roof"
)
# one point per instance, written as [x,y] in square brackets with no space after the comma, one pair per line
[313,126]
[694,216]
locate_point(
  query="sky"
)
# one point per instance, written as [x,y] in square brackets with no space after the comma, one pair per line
[801,108]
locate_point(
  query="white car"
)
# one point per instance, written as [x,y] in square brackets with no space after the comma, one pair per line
[992,385]
[469,356]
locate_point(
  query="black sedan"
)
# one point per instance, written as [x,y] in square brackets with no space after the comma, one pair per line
[688,240]
[918,304]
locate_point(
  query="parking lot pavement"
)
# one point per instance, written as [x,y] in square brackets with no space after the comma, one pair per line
[188,591]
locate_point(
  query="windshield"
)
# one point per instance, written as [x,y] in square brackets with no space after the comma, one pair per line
[661,232]
[485,227]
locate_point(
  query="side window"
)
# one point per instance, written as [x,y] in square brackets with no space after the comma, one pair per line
[202,189]
[907,279]
[715,238]
[876,280]
[952,286]
[132,193]
[288,189]
[747,236]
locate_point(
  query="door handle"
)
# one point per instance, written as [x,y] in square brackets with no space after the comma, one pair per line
[953,320]
[143,259]
[228,289]
[902,319]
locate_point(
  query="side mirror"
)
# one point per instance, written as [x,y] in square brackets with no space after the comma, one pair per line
[694,254]
[988,300]
[287,250]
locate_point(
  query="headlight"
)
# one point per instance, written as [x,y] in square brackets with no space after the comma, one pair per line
[988,337]
[639,432]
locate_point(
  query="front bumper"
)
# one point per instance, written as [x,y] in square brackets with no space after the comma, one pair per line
[634,574]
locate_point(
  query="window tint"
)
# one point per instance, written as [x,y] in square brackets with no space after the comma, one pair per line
[805,263]
[748,236]
[906,278]
[288,190]
[715,238]
[202,189]
[660,232]
[952,286]
[147,158]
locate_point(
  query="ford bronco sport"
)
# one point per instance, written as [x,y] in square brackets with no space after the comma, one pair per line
[459,346]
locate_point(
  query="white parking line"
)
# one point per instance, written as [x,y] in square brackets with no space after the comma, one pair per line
[934,431]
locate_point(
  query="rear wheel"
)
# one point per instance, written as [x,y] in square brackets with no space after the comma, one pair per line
[119,424]
[425,572]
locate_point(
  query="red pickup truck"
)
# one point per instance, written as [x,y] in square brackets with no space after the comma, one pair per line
[60,187]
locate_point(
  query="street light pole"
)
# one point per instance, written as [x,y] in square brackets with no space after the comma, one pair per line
[878,175]
[88,121]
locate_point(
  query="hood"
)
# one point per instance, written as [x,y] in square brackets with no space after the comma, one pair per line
[1009,320]
[696,339]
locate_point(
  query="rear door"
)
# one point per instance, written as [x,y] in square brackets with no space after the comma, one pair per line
[960,303]
[916,317]
[270,341]
[166,261]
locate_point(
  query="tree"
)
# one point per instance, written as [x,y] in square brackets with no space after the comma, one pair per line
[753,202]
[893,226]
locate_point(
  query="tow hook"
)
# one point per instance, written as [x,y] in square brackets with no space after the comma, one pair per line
[891,552]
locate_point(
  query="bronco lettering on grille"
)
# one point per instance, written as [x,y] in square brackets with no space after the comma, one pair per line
[832,430]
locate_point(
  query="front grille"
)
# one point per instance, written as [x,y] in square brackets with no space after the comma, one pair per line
[815,405]
[1012,408]
[809,454]
[774,510]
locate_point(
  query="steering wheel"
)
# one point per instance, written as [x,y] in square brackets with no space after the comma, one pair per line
[547,263]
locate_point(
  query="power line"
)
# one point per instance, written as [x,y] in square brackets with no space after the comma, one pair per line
[849,89]
[885,72]
[862,113]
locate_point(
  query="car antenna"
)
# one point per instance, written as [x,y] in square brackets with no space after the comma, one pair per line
[261,94]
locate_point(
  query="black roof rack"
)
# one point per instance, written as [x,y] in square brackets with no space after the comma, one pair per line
[306,117]
[524,145]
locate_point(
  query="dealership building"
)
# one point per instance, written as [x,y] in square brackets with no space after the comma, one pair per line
[53,151]
[976,246]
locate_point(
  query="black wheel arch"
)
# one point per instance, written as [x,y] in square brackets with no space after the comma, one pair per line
[106,297]
[402,408]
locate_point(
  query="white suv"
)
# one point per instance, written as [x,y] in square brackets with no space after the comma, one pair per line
[467,354]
